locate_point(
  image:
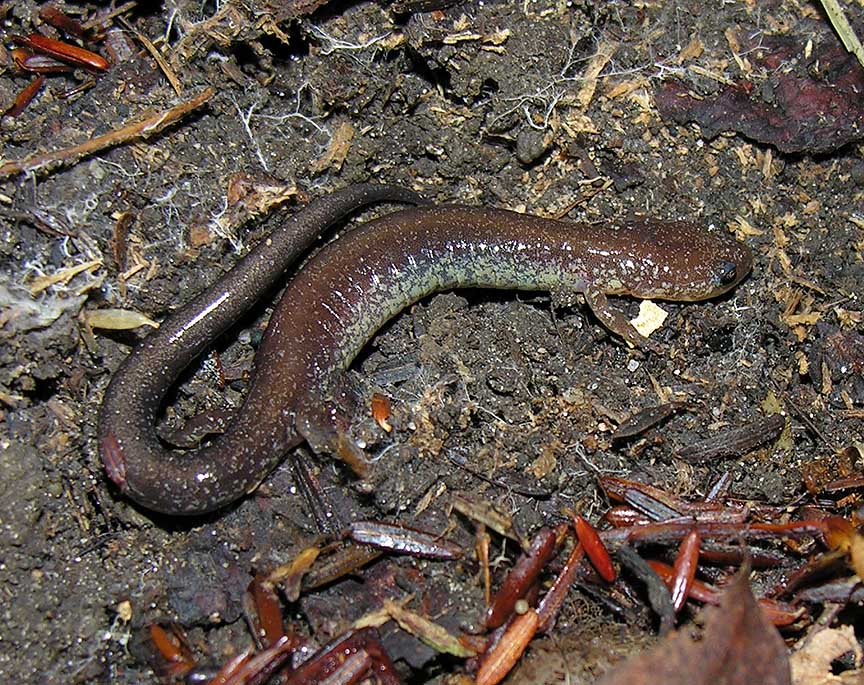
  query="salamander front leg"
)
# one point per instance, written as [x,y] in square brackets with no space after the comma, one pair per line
[325,424]
[616,322]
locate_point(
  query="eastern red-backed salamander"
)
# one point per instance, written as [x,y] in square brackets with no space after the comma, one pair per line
[343,295]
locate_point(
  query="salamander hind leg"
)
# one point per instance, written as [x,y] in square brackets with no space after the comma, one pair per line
[325,425]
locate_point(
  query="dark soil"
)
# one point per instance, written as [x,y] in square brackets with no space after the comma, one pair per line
[481,104]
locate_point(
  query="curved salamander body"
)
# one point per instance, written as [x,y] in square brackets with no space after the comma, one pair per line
[342,296]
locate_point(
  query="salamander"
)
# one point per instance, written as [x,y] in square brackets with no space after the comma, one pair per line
[343,295]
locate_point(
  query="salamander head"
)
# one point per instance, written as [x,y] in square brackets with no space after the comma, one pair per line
[673,261]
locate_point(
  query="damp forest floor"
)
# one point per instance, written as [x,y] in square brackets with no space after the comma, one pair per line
[498,398]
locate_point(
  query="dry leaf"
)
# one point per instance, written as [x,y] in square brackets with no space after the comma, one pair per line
[545,463]
[743,228]
[118,319]
[65,275]
[598,62]
[625,88]
[693,50]
[856,554]
[252,195]
[651,317]
[739,647]
[811,665]
[337,151]
[429,632]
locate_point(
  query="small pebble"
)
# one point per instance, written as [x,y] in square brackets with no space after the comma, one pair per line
[531,145]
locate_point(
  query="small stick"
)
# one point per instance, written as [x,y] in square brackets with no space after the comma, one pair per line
[156,55]
[142,130]
[103,19]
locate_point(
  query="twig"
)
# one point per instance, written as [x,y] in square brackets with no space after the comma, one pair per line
[156,55]
[142,130]
[103,19]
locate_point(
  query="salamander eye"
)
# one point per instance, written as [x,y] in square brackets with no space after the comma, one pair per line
[726,272]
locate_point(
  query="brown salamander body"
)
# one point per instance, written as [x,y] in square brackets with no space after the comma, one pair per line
[344,294]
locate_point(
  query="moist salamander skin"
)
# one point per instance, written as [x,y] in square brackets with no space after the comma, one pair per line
[343,295]
[175,482]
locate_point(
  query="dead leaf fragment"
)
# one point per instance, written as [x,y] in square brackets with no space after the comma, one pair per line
[856,554]
[337,151]
[651,318]
[460,37]
[743,228]
[598,62]
[811,665]
[693,50]
[118,319]
[739,647]
[37,285]
[498,37]
[290,575]
[545,463]
[429,632]
[788,121]
[253,195]
[199,236]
